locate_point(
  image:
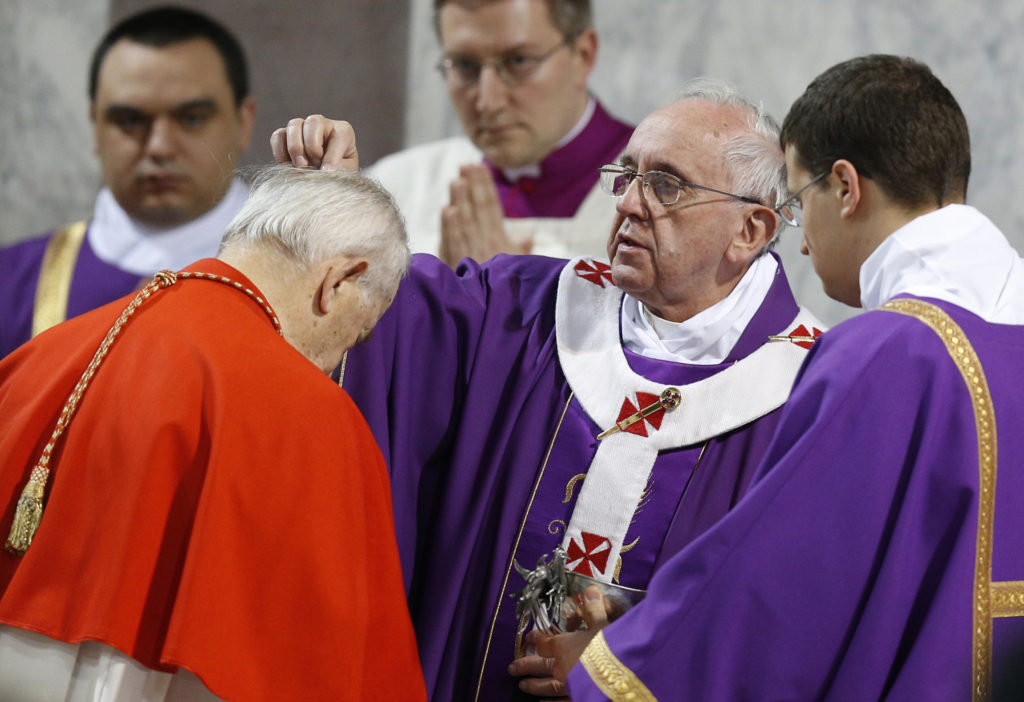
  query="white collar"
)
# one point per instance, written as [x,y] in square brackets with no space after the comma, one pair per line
[954,254]
[533,169]
[707,337]
[138,248]
[609,390]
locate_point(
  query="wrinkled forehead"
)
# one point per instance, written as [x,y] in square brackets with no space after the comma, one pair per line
[690,136]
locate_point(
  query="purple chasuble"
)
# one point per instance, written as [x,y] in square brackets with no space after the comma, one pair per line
[462,387]
[93,284]
[568,174]
[847,572]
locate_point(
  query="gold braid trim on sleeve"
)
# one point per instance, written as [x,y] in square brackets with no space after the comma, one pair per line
[986,604]
[614,679]
[1008,598]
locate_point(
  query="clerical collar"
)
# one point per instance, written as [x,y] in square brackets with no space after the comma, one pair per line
[707,337]
[138,248]
[954,254]
[533,170]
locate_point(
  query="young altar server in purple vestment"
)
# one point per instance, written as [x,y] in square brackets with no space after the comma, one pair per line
[488,387]
[878,552]
[171,111]
[522,178]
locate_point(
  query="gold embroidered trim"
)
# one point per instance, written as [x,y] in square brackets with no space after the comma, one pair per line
[618,561]
[571,485]
[553,526]
[55,272]
[515,547]
[962,353]
[1008,598]
[616,681]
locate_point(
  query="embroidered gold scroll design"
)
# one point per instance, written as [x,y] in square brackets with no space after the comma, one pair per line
[616,681]
[515,546]
[55,272]
[618,563]
[963,354]
[571,485]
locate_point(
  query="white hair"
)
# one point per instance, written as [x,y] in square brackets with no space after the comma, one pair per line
[312,216]
[757,166]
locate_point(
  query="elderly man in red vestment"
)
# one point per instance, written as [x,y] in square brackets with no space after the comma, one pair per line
[188,521]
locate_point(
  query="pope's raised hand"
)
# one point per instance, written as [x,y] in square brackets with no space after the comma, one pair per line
[316,142]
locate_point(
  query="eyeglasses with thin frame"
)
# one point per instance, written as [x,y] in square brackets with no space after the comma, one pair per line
[665,187]
[791,210]
[513,68]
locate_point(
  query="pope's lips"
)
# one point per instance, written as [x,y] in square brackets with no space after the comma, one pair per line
[626,243]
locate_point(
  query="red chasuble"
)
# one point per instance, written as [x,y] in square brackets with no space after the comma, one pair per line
[217,503]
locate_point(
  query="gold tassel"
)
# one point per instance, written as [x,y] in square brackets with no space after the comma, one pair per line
[27,515]
[29,511]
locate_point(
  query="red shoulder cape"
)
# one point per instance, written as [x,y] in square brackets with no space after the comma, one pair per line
[217,503]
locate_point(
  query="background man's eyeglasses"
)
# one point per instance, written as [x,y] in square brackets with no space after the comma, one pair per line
[513,68]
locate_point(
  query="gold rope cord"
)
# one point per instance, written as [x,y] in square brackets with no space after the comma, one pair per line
[963,354]
[614,679]
[29,511]
[55,273]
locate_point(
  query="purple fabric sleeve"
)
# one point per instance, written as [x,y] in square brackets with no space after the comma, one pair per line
[93,284]
[846,572]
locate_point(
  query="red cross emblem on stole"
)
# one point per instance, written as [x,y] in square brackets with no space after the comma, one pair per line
[595,271]
[802,337]
[643,399]
[595,549]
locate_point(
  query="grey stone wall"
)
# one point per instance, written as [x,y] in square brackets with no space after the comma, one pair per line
[48,175]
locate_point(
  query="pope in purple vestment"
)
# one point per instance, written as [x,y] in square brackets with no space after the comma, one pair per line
[487,442]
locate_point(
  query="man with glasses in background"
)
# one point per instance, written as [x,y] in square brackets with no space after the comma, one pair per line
[610,408]
[523,178]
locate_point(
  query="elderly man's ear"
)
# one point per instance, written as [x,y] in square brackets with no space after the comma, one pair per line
[758,229]
[339,280]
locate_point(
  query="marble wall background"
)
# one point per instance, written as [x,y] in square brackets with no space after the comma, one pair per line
[648,49]
[771,51]
[48,175]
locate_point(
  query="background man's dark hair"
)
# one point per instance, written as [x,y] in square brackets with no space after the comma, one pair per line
[162,26]
[570,17]
[892,119]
